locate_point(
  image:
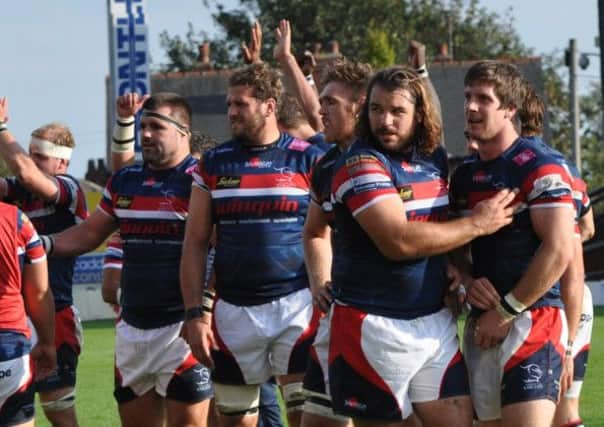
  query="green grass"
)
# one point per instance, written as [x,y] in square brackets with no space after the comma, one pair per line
[96,406]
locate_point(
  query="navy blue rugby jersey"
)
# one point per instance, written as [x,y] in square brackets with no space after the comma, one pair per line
[321,182]
[543,181]
[260,197]
[362,276]
[319,140]
[151,208]
[51,217]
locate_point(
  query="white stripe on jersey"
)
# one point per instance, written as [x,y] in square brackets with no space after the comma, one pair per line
[252,192]
[45,211]
[360,180]
[141,214]
[373,202]
[432,202]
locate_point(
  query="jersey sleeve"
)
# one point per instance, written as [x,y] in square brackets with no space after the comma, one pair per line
[362,181]
[201,176]
[114,253]
[547,186]
[30,244]
[70,194]
[107,203]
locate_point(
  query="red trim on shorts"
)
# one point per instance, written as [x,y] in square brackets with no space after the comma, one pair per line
[546,327]
[347,323]
[188,363]
[221,345]
[454,361]
[65,329]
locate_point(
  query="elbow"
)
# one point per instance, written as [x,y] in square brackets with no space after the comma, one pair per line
[398,252]
[587,234]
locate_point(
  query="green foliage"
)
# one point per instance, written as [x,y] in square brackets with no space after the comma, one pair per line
[378,51]
[473,31]
[558,115]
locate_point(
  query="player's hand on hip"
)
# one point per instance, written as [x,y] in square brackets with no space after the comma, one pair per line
[45,360]
[482,294]
[491,214]
[322,297]
[200,338]
[491,329]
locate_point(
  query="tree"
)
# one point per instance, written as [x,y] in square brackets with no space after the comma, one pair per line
[476,32]
[558,115]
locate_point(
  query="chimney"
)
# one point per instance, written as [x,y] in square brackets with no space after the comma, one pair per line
[334,47]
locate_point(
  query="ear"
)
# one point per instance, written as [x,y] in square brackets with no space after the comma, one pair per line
[271,106]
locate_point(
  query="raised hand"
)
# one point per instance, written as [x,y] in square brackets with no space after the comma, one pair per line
[283,37]
[251,53]
[130,103]
[3,109]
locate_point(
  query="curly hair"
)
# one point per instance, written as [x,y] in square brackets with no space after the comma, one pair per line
[532,112]
[265,81]
[428,129]
[353,75]
[57,133]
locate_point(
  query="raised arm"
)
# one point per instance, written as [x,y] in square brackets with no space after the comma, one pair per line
[21,164]
[305,93]
[122,146]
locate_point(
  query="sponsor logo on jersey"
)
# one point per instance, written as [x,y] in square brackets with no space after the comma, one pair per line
[549,183]
[481,177]
[409,168]
[524,157]
[256,207]
[5,374]
[256,163]
[406,193]
[123,202]
[228,182]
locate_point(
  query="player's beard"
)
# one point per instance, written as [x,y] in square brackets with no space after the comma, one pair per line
[153,155]
[249,129]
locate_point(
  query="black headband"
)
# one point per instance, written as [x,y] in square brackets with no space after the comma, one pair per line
[167,119]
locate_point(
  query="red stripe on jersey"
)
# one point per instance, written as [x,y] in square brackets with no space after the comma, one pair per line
[356,170]
[271,180]
[429,189]
[152,203]
[476,197]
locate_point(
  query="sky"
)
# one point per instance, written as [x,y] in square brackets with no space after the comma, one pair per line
[54,55]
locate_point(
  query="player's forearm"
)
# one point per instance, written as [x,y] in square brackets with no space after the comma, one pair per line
[24,168]
[305,94]
[192,267]
[318,258]
[571,288]
[39,302]
[76,240]
[422,239]
[550,261]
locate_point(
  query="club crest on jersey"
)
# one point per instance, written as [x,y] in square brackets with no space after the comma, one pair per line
[256,163]
[123,202]
[406,193]
[409,168]
[228,182]
[524,157]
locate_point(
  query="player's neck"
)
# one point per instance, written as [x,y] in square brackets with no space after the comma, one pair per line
[496,146]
